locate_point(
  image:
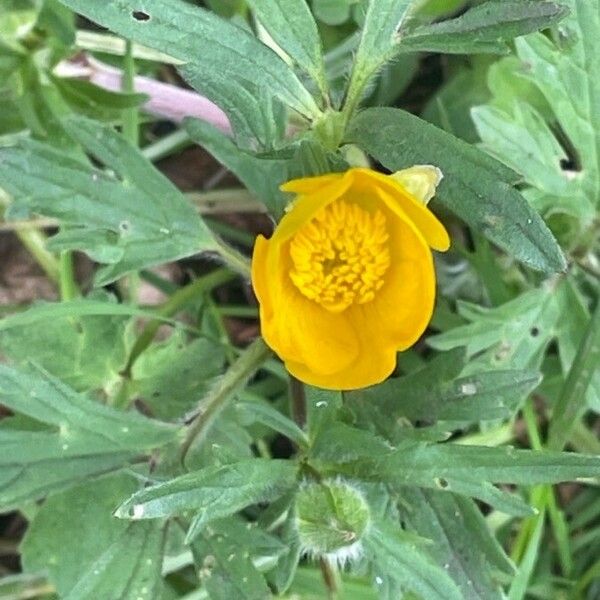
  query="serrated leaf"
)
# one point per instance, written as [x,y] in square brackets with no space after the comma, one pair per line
[564,71]
[214,492]
[242,75]
[475,187]
[129,217]
[484,28]
[461,540]
[513,335]
[84,438]
[290,23]
[396,558]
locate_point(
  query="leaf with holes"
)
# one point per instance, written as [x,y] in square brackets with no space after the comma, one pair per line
[128,216]
[242,75]
[466,470]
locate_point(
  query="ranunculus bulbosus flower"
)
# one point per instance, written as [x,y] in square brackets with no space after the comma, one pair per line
[347,279]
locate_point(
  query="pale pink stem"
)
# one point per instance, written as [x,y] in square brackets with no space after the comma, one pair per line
[164,100]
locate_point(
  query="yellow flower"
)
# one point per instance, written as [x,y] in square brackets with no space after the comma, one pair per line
[347,278]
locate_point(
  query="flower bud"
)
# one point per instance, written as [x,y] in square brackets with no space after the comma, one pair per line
[331,518]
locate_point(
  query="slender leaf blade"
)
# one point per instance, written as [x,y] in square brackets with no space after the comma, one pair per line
[475,187]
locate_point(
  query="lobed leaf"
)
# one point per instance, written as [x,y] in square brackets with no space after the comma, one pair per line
[437,391]
[129,216]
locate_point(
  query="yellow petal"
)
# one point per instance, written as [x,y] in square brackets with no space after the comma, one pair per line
[307,185]
[368,369]
[294,326]
[402,308]
[396,195]
[323,191]
[420,181]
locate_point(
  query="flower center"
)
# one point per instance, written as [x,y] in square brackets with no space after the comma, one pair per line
[340,256]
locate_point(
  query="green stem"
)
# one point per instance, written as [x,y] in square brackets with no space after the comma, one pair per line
[173,305]
[234,259]
[298,402]
[545,499]
[68,285]
[130,115]
[330,578]
[167,145]
[218,398]
[35,242]
[571,401]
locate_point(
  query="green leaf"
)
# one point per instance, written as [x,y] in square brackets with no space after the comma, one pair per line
[225,564]
[85,353]
[72,530]
[484,28]
[242,74]
[466,470]
[214,491]
[57,20]
[129,216]
[322,407]
[171,376]
[461,540]
[450,108]
[513,335]
[260,411]
[397,558]
[290,23]
[519,585]
[378,43]
[498,465]
[562,171]
[44,311]
[262,176]
[475,187]
[129,568]
[94,101]
[85,438]
[437,392]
